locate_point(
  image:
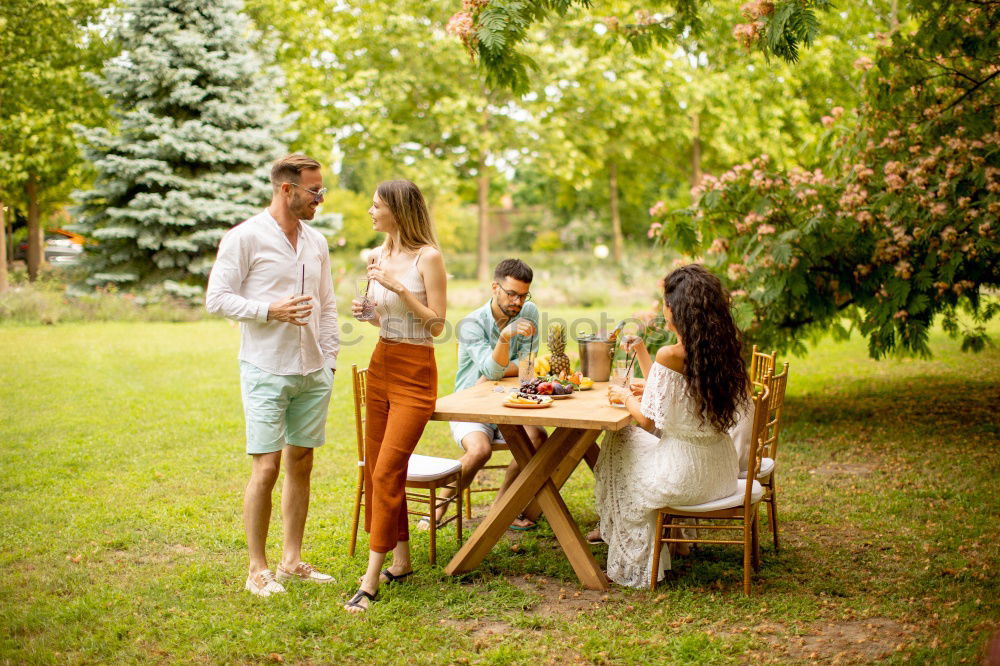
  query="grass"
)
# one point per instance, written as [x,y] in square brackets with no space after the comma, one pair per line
[122,472]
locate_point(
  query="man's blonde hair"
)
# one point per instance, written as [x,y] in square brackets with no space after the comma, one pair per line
[289,168]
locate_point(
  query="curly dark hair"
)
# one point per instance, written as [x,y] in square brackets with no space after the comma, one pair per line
[713,363]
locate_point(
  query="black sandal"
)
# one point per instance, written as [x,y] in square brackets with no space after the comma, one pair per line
[395,578]
[354,602]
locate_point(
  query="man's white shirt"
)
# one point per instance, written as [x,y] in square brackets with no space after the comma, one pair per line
[256,266]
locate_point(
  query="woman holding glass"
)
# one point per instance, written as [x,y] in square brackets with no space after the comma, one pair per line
[407,282]
[681,452]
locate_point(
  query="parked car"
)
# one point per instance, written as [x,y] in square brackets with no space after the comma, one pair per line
[61,247]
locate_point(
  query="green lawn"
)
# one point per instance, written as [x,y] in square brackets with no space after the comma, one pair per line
[122,473]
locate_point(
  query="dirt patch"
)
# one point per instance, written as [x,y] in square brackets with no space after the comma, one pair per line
[843,469]
[560,600]
[479,628]
[843,642]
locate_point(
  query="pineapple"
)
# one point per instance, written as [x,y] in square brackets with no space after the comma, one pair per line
[557,343]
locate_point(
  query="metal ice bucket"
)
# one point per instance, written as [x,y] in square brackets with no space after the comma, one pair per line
[595,358]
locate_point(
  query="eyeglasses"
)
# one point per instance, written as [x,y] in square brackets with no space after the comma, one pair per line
[317,194]
[514,296]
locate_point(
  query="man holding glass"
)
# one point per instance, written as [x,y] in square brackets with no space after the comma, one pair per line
[272,275]
[491,339]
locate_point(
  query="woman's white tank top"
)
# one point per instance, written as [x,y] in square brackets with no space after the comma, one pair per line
[396,321]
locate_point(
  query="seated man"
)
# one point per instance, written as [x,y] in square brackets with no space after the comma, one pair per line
[490,339]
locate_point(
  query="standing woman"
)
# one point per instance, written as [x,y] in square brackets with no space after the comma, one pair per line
[408,284]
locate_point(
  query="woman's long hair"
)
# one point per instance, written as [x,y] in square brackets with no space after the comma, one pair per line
[409,212]
[713,362]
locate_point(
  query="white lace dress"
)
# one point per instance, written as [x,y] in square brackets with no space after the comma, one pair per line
[639,472]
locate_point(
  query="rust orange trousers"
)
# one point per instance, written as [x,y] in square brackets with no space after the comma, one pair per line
[401,393]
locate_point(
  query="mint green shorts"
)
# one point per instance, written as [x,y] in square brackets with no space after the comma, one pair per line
[284,409]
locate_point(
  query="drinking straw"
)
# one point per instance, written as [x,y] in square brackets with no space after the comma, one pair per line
[628,368]
[302,288]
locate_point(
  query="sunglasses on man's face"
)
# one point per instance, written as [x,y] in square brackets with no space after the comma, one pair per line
[317,195]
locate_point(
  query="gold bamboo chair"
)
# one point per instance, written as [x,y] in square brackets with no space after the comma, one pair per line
[425,476]
[477,487]
[761,364]
[769,448]
[738,512]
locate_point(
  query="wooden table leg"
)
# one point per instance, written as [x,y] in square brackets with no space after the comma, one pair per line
[563,526]
[526,486]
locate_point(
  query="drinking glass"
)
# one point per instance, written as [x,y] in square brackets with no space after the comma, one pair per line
[525,366]
[620,371]
[367,303]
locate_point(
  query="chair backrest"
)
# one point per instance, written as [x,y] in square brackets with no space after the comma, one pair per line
[761,364]
[760,402]
[360,393]
[775,403]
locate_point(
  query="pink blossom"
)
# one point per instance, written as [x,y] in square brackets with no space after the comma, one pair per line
[827,121]
[765,229]
[472,5]
[757,8]
[836,111]
[736,271]
[864,63]
[642,17]
[894,183]
[747,33]
[738,293]
[658,208]
[461,25]
[949,234]
[719,245]
[341,242]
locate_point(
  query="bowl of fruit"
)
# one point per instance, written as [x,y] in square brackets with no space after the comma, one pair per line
[559,388]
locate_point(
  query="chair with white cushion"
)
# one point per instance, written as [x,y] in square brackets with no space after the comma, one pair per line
[738,512]
[424,473]
[769,448]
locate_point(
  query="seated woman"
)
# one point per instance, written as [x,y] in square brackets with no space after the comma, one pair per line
[681,452]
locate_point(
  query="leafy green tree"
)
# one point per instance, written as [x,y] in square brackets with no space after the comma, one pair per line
[610,127]
[493,31]
[199,125]
[45,48]
[379,85]
[899,227]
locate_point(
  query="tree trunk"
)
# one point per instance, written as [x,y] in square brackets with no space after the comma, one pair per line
[483,204]
[894,16]
[695,148]
[3,251]
[36,237]
[617,242]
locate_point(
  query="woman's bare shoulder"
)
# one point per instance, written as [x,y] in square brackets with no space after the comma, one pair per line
[430,259]
[671,356]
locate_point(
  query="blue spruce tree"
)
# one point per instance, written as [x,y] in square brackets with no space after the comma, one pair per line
[198,123]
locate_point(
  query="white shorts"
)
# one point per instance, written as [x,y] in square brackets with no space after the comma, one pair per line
[460,429]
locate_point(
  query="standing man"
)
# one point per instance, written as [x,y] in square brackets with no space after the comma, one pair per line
[273,276]
[490,339]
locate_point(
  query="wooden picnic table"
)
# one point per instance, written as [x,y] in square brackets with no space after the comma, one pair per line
[578,422]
